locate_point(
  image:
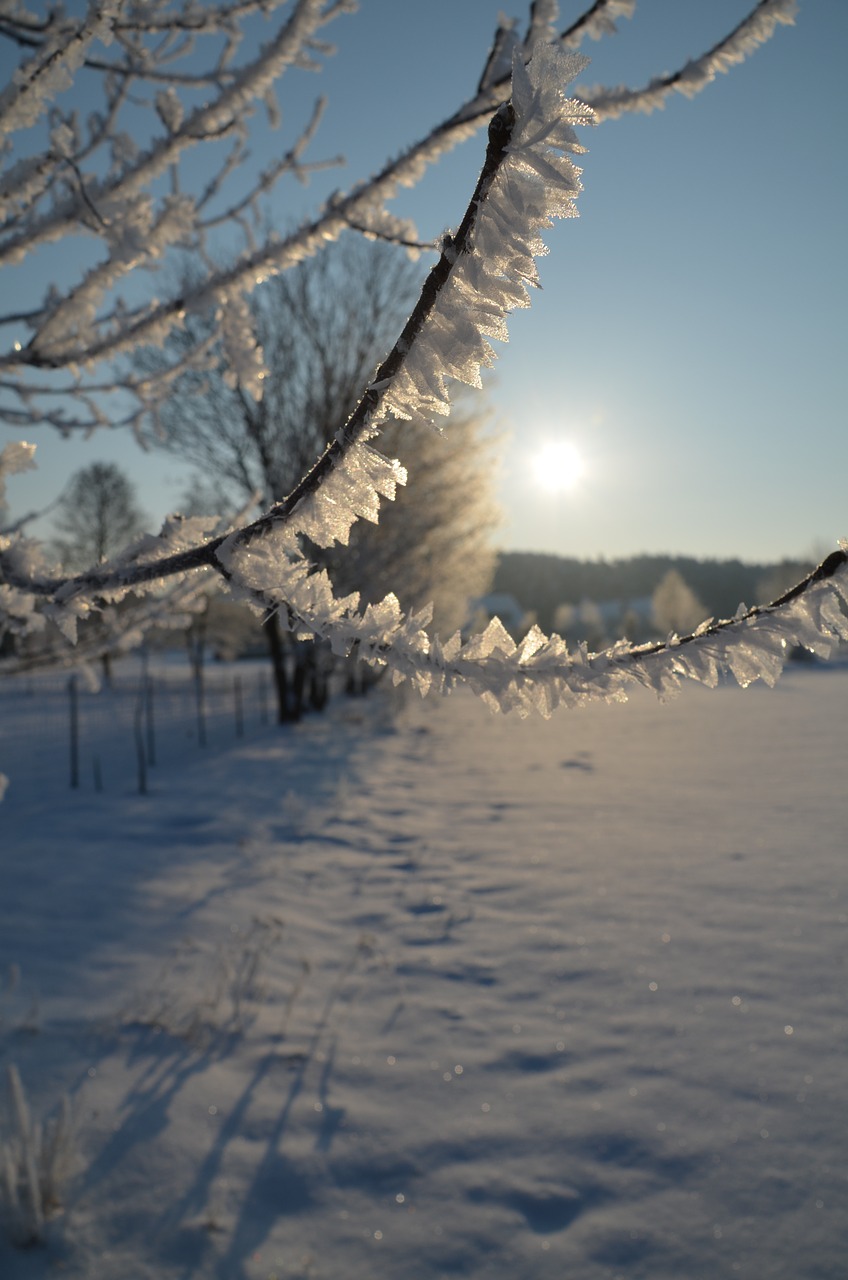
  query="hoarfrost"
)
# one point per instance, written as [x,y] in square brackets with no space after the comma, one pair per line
[245,358]
[759,26]
[14,458]
[487,274]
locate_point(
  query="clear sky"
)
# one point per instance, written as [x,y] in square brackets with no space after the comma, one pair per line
[690,338]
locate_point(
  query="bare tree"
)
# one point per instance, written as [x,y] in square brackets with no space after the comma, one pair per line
[323,327]
[434,542]
[92,181]
[97,516]
[675,605]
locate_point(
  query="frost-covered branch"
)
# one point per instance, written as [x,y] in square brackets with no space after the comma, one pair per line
[122,622]
[540,674]
[95,181]
[114,196]
[117,632]
[690,79]
[482,273]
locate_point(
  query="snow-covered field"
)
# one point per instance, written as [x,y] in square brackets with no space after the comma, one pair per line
[444,994]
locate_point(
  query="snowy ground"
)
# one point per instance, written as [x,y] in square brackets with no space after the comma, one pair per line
[447,995]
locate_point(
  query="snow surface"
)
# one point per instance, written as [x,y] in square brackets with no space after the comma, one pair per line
[430,992]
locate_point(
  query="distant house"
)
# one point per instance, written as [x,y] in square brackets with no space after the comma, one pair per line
[604,619]
[616,613]
[498,604]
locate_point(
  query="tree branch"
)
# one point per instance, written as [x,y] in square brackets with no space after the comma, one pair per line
[695,75]
[114,335]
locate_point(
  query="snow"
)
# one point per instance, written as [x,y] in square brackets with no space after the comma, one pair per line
[414,990]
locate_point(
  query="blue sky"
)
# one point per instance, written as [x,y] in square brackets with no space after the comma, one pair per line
[690,336]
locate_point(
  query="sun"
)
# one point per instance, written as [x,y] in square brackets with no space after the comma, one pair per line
[558,467]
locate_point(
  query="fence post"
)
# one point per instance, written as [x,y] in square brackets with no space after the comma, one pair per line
[73,699]
[238,707]
[138,735]
[200,703]
[149,724]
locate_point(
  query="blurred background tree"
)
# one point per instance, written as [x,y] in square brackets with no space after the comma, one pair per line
[676,607]
[324,327]
[97,515]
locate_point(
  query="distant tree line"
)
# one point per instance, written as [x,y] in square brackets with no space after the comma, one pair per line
[542,583]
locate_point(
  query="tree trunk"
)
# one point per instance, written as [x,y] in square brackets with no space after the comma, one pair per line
[319,690]
[278,665]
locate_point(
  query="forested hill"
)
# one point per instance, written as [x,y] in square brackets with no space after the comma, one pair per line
[541,582]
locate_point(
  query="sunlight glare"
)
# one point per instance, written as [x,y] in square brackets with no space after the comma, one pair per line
[557,467]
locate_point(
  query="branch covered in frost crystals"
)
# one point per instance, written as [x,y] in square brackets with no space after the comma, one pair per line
[15,457]
[753,31]
[30,598]
[597,22]
[483,273]
[94,180]
[50,70]
[539,674]
[97,181]
[116,633]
